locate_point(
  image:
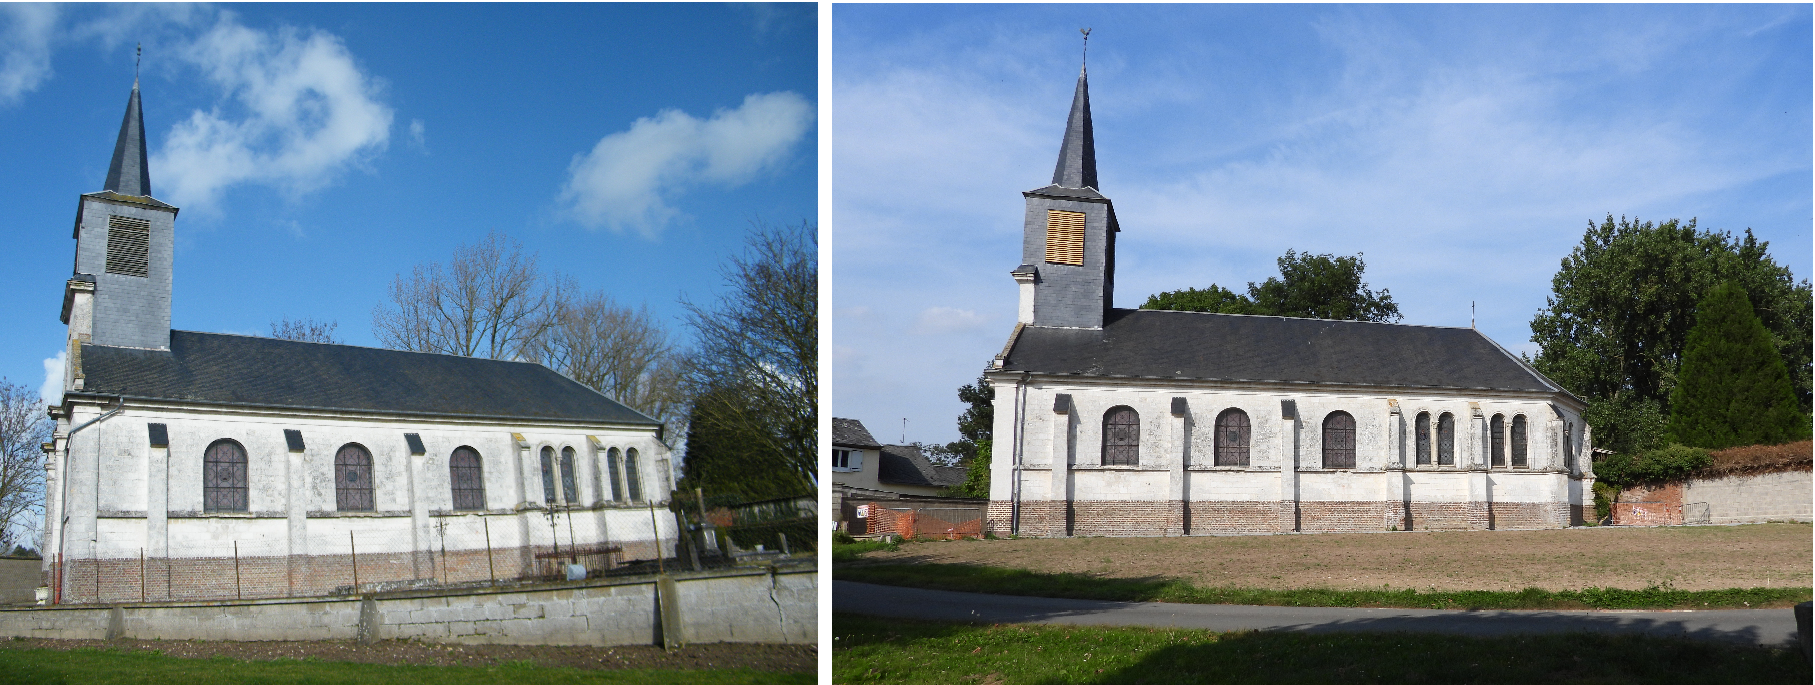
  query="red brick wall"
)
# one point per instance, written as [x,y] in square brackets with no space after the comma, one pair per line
[1341,517]
[1650,506]
[1527,515]
[1440,516]
[1233,518]
[1119,519]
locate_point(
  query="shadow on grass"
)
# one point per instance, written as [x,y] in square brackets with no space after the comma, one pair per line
[1009,581]
[869,649]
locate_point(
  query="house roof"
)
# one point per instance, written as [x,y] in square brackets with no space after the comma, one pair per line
[1234,347]
[251,371]
[851,433]
[905,465]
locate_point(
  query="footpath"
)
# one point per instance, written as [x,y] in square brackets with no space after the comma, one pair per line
[1772,627]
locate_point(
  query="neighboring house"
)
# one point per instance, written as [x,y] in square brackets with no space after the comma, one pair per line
[859,463]
[1130,422]
[192,465]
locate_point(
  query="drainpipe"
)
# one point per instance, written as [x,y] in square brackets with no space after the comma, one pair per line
[1014,516]
[63,501]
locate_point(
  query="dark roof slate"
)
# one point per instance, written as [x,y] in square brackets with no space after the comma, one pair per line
[1232,347]
[244,370]
[905,465]
[851,433]
[128,173]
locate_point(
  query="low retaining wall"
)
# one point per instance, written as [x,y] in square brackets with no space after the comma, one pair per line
[1783,496]
[737,605]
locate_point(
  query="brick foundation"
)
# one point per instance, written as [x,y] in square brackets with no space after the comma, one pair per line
[1527,515]
[1233,518]
[1439,516]
[1119,519]
[1341,517]
[1046,518]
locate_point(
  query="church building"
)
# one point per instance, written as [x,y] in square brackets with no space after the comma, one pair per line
[190,465]
[1125,422]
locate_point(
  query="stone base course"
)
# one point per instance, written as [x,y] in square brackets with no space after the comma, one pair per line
[1046,518]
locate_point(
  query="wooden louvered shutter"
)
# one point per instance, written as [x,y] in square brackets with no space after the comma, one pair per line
[1065,237]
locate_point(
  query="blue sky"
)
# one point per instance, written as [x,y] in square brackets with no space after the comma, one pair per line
[317,151]
[1463,149]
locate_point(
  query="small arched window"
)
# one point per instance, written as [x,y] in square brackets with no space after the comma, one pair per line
[1497,437]
[548,475]
[353,478]
[630,475]
[1518,443]
[1121,437]
[617,484]
[224,477]
[1232,438]
[1339,441]
[1446,440]
[1423,432]
[466,472]
[568,489]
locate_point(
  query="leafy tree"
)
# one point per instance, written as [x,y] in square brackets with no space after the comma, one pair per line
[1671,462]
[1620,310]
[24,428]
[1732,389]
[1311,286]
[976,427]
[755,372]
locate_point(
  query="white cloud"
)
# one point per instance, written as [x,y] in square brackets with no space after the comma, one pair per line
[629,177]
[52,389]
[25,37]
[417,134]
[299,111]
[936,320]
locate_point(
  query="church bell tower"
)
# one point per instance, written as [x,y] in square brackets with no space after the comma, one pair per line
[120,293]
[1067,272]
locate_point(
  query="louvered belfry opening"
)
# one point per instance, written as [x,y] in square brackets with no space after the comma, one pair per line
[353,478]
[1339,441]
[128,246]
[1065,237]
[224,477]
[1122,437]
[468,477]
[1232,433]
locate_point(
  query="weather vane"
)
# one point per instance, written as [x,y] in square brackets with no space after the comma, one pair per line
[138,53]
[1086,33]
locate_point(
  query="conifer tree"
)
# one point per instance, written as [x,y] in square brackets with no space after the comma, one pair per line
[1733,388]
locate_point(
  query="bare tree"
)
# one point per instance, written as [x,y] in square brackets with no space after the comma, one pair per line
[489,301]
[24,428]
[759,352]
[305,330]
[625,354]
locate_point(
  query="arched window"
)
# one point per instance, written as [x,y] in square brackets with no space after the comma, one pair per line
[1424,438]
[467,475]
[1518,442]
[353,478]
[617,483]
[548,475]
[1497,437]
[568,489]
[224,477]
[1232,438]
[1121,437]
[1339,441]
[630,475]
[1446,440]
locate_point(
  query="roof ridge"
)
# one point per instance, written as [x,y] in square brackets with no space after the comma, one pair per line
[1298,318]
[362,347]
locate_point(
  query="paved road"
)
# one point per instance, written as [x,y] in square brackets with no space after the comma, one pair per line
[1760,626]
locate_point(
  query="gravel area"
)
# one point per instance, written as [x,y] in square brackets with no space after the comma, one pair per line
[1684,557]
[780,658]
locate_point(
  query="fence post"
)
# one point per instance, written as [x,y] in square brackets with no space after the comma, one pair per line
[237,592]
[354,553]
[656,531]
[489,564]
[141,575]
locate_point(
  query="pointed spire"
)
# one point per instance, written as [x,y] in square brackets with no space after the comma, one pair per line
[1077,166]
[129,173]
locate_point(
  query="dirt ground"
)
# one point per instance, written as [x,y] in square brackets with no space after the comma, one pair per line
[781,658]
[1684,557]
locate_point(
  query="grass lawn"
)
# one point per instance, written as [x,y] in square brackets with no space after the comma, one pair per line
[878,650]
[1011,581]
[98,667]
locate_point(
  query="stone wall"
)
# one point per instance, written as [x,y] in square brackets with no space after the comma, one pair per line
[1783,496]
[737,605]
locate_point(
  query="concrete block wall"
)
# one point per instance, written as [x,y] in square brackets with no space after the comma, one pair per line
[738,605]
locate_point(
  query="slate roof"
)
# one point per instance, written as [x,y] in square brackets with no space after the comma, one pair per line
[128,173]
[851,433]
[1233,347]
[252,371]
[905,465]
